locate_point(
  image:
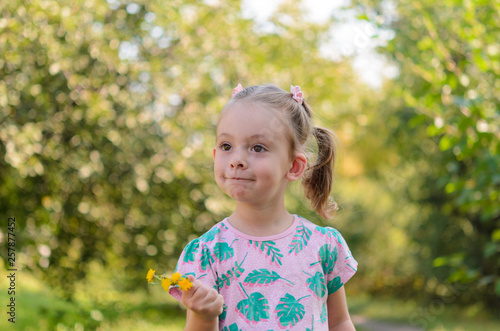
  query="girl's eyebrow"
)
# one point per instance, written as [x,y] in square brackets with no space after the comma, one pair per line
[255,136]
[224,135]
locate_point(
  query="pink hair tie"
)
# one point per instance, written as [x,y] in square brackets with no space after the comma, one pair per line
[237,89]
[297,94]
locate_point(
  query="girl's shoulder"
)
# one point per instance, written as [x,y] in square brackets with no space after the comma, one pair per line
[213,232]
[326,232]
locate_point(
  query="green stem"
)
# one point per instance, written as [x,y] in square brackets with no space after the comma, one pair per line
[303,297]
[244,291]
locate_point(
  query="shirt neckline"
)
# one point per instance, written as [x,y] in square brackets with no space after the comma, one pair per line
[266,238]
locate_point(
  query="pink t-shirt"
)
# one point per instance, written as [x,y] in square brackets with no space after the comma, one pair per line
[279,282]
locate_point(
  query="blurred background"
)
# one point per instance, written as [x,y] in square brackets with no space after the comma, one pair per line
[107,118]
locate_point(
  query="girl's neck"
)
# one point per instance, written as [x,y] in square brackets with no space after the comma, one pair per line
[260,222]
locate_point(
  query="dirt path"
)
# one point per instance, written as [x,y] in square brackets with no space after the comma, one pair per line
[372,325]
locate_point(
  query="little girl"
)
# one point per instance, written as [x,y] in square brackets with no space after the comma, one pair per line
[263,268]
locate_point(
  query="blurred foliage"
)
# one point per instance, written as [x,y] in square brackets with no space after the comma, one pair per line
[107,119]
[443,123]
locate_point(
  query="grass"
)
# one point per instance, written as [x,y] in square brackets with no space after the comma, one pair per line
[438,316]
[99,307]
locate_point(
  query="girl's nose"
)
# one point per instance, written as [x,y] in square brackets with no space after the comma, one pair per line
[238,160]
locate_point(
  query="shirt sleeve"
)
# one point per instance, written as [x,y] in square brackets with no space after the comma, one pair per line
[196,260]
[345,265]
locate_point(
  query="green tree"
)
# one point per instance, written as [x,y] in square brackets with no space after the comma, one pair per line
[447,130]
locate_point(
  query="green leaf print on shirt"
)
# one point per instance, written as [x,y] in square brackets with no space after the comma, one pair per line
[232,327]
[206,258]
[231,274]
[330,232]
[324,316]
[263,276]
[328,258]
[289,310]
[300,239]
[255,307]
[223,251]
[271,250]
[222,316]
[210,235]
[334,285]
[190,250]
[317,283]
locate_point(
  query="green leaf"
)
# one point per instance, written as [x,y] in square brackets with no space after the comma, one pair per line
[289,310]
[271,250]
[324,316]
[317,284]
[263,276]
[334,285]
[300,239]
[190,250]
[328,258]
[255,307]
[210,235]
[232,327]
[223,251]
[232,274]
[206,259]
[330,233]
[222,316]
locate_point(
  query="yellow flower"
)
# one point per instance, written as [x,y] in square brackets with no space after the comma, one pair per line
[150,275]
[165,283]
[185,284]
[175,277]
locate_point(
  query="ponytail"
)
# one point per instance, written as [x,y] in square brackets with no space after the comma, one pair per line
[318,178]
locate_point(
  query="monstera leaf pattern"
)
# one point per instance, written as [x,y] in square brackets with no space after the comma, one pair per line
[210,235]
[206,258]
[324,316]
[334,285]
[255,307]
[315,258]
[317,284]
[223,251]
[289,310]
[263,276]
[232,327]
[328,258]
[190,250]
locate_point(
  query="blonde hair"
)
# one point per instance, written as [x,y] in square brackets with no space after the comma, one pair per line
[318,177]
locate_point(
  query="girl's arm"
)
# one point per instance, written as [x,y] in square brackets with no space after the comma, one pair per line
[338,315]
[204,307]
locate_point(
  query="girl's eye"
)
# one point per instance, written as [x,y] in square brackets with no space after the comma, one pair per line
[225,147]
[258,148]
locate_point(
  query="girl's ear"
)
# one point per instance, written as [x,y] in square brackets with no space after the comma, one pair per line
[298,167]
[214,152]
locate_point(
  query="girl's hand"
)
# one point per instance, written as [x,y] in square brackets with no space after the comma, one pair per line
[202,300]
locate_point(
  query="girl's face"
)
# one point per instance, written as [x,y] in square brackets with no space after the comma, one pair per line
[251,158]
